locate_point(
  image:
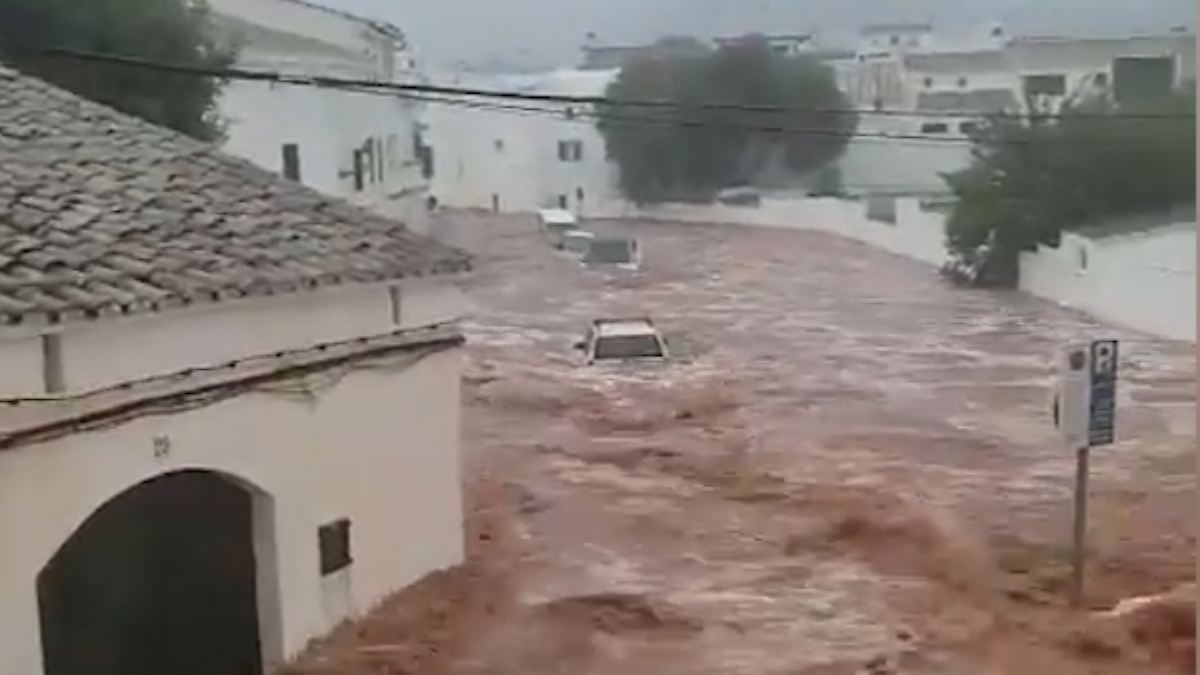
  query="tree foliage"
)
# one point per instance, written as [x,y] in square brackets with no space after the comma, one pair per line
[1029,181]
[169,31]
[686,152]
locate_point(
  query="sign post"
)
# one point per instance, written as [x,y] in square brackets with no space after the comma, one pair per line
[1085,412]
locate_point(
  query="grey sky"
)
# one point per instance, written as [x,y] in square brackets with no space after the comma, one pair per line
[548,32]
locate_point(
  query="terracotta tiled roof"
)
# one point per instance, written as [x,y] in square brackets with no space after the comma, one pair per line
[102,213]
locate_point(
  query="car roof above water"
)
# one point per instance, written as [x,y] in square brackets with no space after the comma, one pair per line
[624,327]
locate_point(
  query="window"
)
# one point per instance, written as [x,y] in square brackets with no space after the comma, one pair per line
[962,82]
[1045,85]
[882,209]
[291,161]
[934,128]
[358,170]
[928,82]
[895,40]
[570,151]
[334,542]
[379,157]
[968,128]
[579,194]
[1101,79]
[562,201]
[498,144]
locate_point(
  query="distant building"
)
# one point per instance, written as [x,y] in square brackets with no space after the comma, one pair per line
[782,45]
[609,57]
[510,161]
[362,147]
[896,36]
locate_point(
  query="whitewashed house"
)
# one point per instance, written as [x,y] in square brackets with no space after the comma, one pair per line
[362,147]
[516,161]
[229,404]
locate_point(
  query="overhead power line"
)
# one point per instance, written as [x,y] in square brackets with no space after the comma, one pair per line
[331,82]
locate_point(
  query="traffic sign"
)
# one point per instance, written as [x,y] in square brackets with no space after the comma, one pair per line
[1102,405]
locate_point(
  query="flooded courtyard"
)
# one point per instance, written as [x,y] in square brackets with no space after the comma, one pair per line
[850,468]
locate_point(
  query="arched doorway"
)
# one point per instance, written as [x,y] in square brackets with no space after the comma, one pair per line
[161,579]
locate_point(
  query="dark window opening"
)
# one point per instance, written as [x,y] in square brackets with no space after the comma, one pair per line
[882,209]
[1101,79]
[928,82]
[334,540]
[562,201]
[1139,79]
[968,128]
[962,82]
[629,347]
[570,151]
[1045,85]
[934,128]
[291,161]
[358,171]
[579,194]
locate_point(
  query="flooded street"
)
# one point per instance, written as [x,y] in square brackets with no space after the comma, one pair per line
[850,468]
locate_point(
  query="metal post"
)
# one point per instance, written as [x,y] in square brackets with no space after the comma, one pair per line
[1081,501]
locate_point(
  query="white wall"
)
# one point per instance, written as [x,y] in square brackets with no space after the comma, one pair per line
[526,174]
[21,365]
[916,234]
[380,448]
[327,125]
[105,352]
[1145,281]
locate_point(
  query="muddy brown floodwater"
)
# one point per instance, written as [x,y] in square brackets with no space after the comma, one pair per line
[851,469]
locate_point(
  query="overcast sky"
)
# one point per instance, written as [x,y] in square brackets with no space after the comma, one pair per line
[550,32]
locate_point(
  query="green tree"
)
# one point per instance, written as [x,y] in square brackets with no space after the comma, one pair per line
[688,152]
[168,31]
[1032,180]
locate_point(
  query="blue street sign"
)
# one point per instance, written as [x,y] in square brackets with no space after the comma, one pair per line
[1102,410]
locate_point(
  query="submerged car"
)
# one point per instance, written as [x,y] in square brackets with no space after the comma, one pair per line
[623,340]
[577,242]
[556,223]
[616,252]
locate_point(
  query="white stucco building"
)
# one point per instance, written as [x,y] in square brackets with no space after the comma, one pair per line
[521,161]
[358,146]
[229,404]
[950,85]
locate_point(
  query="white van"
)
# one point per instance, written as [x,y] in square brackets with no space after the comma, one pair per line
[555,223]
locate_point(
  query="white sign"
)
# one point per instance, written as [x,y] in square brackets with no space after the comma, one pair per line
[1085,401]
